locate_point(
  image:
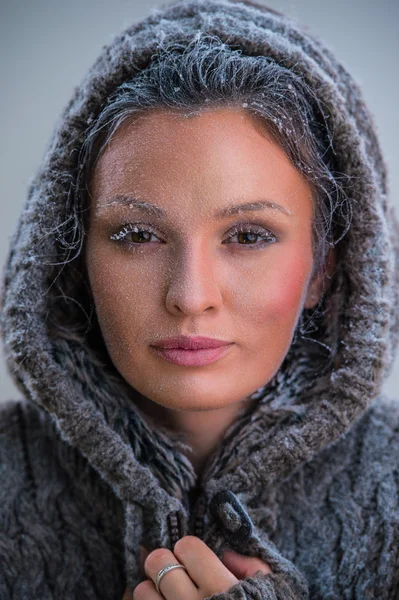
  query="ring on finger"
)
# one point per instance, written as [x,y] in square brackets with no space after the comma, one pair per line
[163,572]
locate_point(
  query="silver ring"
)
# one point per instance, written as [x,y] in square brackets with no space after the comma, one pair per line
[163,571]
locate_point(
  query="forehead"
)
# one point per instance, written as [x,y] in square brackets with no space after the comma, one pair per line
[167,156]
[162,135]
[157,132]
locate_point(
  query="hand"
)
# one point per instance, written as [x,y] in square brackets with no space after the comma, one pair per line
[206,574]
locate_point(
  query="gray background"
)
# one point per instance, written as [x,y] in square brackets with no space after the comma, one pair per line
[46,46]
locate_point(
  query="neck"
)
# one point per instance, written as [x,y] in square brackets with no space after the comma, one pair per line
[201,431]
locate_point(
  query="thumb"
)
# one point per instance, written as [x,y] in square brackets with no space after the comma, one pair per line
[244,566]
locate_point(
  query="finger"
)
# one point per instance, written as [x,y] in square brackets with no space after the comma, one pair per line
[146,590]
[244,566]
[176,583]
[204,567]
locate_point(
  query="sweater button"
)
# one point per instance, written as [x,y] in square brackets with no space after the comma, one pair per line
[231,517]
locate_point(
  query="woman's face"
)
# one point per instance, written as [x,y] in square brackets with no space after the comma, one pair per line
[241,277]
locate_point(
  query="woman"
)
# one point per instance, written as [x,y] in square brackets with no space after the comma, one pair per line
[216,174]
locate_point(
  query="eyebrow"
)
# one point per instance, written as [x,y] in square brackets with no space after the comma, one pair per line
[157,211]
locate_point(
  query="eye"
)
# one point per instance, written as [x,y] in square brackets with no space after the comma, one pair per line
[134,234]
[247,233]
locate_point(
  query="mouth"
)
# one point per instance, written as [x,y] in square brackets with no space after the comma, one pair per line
[192,358]
[186,342]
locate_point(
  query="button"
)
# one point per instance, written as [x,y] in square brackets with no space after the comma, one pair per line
[231,516]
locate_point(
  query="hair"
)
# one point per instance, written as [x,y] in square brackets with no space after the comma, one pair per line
[192,77]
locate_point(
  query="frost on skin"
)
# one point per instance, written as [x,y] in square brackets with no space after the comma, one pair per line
[243,278]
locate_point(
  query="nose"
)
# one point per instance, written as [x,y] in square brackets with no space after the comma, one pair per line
[192,283]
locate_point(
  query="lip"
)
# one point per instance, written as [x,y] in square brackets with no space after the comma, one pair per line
[192,358]
[184,342]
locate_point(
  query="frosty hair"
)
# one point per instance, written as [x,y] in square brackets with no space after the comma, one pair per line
[204,74]
[207,73]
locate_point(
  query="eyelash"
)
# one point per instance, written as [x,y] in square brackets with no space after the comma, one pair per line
[267,236]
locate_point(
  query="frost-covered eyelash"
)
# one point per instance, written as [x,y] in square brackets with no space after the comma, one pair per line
[247,228]
[239,228]
[129,229]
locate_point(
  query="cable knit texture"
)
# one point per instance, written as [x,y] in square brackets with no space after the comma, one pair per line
[307,480]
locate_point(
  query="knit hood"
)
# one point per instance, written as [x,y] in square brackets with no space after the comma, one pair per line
[312,401]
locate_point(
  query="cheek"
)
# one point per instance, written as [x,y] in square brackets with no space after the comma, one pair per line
[122,301]
[276,293]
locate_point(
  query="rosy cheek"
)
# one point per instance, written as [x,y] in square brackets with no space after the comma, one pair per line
[277,294]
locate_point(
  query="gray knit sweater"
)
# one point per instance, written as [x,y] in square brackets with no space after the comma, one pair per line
[308,480]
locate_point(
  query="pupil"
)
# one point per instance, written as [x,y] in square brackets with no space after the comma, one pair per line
[248,234]
[143,235]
